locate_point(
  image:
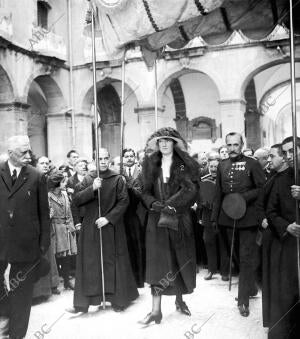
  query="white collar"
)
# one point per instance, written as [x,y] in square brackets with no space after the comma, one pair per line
[13,167]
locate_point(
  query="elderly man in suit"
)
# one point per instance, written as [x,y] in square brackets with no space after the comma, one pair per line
[24,233]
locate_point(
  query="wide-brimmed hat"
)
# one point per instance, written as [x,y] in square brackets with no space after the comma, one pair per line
[166,133]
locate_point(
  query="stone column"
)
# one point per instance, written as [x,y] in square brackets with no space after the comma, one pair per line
[13,121]
[59,137]
[84,135]
[232,116]
[146,118]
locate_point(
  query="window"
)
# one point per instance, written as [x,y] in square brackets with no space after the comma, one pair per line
[42,14]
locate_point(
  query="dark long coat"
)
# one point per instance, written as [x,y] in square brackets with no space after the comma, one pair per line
[24,215]
[77,212]
[120,287]
[170,254]
[267,239]
[133,227]
[284,311]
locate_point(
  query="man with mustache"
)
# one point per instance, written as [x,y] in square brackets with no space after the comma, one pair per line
[24,233]
[244,175]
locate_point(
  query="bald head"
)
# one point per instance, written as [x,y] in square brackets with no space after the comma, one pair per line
[18,149]
[262,154]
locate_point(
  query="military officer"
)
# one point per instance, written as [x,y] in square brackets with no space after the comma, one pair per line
[244,175]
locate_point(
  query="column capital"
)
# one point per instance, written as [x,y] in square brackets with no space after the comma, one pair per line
[14,105]
[147,110]
[232,101]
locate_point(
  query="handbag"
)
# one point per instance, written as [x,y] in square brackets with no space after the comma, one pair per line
[168,220]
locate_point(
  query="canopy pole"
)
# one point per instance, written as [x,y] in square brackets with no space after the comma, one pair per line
[122,114]
[96,121]
[155,95]
[294,120]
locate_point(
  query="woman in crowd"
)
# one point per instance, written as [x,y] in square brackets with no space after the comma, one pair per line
[170,185]
[223,151]
[48,285]
[62,224]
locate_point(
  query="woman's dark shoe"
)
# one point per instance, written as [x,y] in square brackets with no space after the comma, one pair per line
[68,285]
[182,307]
[244,310]
[117,308]
[151,317]
[208,276]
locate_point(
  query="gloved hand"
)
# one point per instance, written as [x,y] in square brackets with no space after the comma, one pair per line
[157,206]
[169,209]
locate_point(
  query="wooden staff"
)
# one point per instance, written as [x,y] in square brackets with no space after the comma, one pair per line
[155,95]
[96,121]
[294,121]
[122,114]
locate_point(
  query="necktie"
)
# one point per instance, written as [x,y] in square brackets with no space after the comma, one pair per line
[14,176]
[129,172]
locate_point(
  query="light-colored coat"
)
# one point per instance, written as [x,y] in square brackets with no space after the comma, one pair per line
[62,224]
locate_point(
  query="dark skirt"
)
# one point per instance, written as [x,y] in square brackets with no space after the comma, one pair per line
[170,256]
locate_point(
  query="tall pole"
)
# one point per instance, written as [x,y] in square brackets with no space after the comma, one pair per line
[96,121]
[71,72]
[294,120]
[122,113]
[155,95]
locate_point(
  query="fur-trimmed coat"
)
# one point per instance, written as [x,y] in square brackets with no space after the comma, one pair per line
[168,251]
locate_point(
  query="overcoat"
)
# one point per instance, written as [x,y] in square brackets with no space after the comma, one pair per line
[267,239]
[24,215]
[62,224]
[283,304]
[120,286]
[170,254]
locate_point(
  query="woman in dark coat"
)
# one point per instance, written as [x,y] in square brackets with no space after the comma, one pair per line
[170,187]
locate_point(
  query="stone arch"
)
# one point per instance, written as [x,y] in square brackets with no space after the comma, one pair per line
[46,102]
[6,87]
[109,109]
[262,82]
[12,116]
[258,69]
[180,95]
[86,94]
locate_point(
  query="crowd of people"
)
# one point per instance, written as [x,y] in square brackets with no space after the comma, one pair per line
[163,214]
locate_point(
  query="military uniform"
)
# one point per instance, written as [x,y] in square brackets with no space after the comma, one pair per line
[242,175]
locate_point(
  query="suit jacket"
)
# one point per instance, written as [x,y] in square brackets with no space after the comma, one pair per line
[24,215]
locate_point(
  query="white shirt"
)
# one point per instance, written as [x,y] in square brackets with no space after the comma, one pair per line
[166,163]
[80,177]
[12,168]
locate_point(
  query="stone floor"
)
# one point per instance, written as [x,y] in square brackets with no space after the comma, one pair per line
[214,316]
